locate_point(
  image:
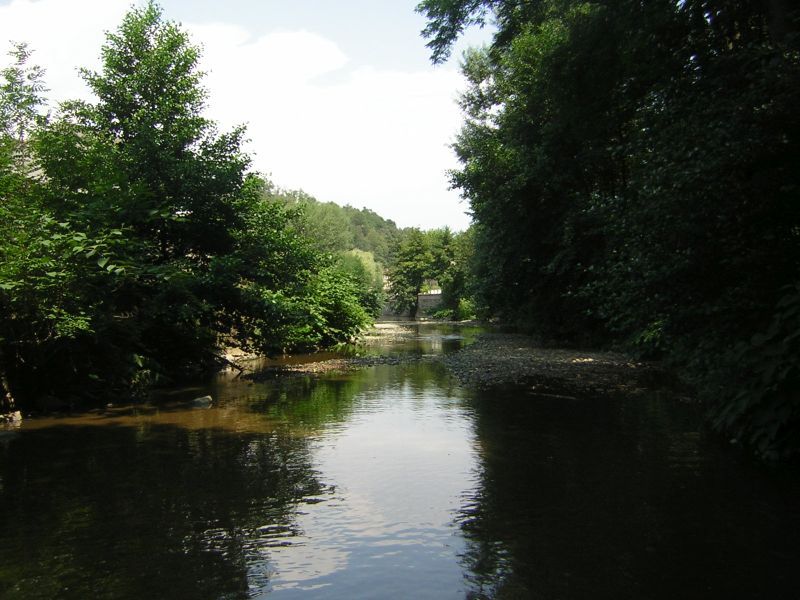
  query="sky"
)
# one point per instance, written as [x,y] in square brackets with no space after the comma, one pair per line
[338,96]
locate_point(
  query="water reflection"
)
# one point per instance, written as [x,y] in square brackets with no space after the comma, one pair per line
[120,512]
[391,482]
[400,468]
[296,487]
[418,338]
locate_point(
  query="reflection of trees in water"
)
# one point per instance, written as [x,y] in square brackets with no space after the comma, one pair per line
[311,402]
[308,402]
[542,499]
[140,512]
[119,512]
[617,499]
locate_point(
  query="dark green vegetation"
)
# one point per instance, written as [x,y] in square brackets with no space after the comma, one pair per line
[134,244]
[337,228]
[368,247]
[438,256]
[359,241]
[633,173]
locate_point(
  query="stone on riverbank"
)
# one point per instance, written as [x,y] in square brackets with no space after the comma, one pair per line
[12,418]
[500,359]
[496,359]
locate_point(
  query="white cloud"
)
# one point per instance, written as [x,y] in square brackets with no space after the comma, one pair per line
[63,35]
[361,136]
[350,134]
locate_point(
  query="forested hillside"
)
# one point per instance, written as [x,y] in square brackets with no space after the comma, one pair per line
[337,228]
[633,173]
[371,247]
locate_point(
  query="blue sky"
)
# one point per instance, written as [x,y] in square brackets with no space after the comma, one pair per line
[378,32]
[339,96]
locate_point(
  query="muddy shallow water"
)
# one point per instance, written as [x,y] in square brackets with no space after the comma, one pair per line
[393,481]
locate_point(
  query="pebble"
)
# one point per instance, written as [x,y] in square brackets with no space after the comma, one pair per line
[498,359]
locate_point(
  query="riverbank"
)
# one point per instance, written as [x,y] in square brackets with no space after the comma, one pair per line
[500,359]
[495,359]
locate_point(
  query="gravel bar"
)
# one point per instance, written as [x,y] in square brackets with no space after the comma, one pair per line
[497,359]
[502,359]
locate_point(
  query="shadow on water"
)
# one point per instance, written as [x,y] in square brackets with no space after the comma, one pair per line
[125,512]
[621,498]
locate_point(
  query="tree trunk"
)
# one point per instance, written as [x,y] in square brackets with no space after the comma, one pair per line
[415,306]
[7,404]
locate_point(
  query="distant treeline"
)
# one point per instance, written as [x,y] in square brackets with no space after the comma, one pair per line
[371,247]
[633,172]
[336,228]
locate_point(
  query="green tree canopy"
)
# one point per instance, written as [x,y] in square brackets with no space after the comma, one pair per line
[631,171]
[134,244]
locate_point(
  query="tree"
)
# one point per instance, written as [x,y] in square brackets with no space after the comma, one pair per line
[28,254]
[134,245]
[339,229]
[411,267]
[328,226]
[456,279]
[368,276]
[285,295]
[183,175]
[614,201]
[144,159]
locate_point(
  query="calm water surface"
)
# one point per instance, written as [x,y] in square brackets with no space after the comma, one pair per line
[391,482]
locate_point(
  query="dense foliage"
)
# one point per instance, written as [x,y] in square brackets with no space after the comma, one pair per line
[413,264]
[632,171]
[134,245]
[436,257]
[336,228]
[360,242]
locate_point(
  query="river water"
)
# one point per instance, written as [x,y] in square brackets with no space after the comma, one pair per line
[390,482]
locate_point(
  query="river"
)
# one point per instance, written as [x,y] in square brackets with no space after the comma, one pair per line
[390,482]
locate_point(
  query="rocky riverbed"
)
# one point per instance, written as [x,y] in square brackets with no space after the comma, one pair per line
[497,359]
[500,359]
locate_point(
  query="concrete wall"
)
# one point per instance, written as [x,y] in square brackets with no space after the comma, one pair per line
[429,303]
